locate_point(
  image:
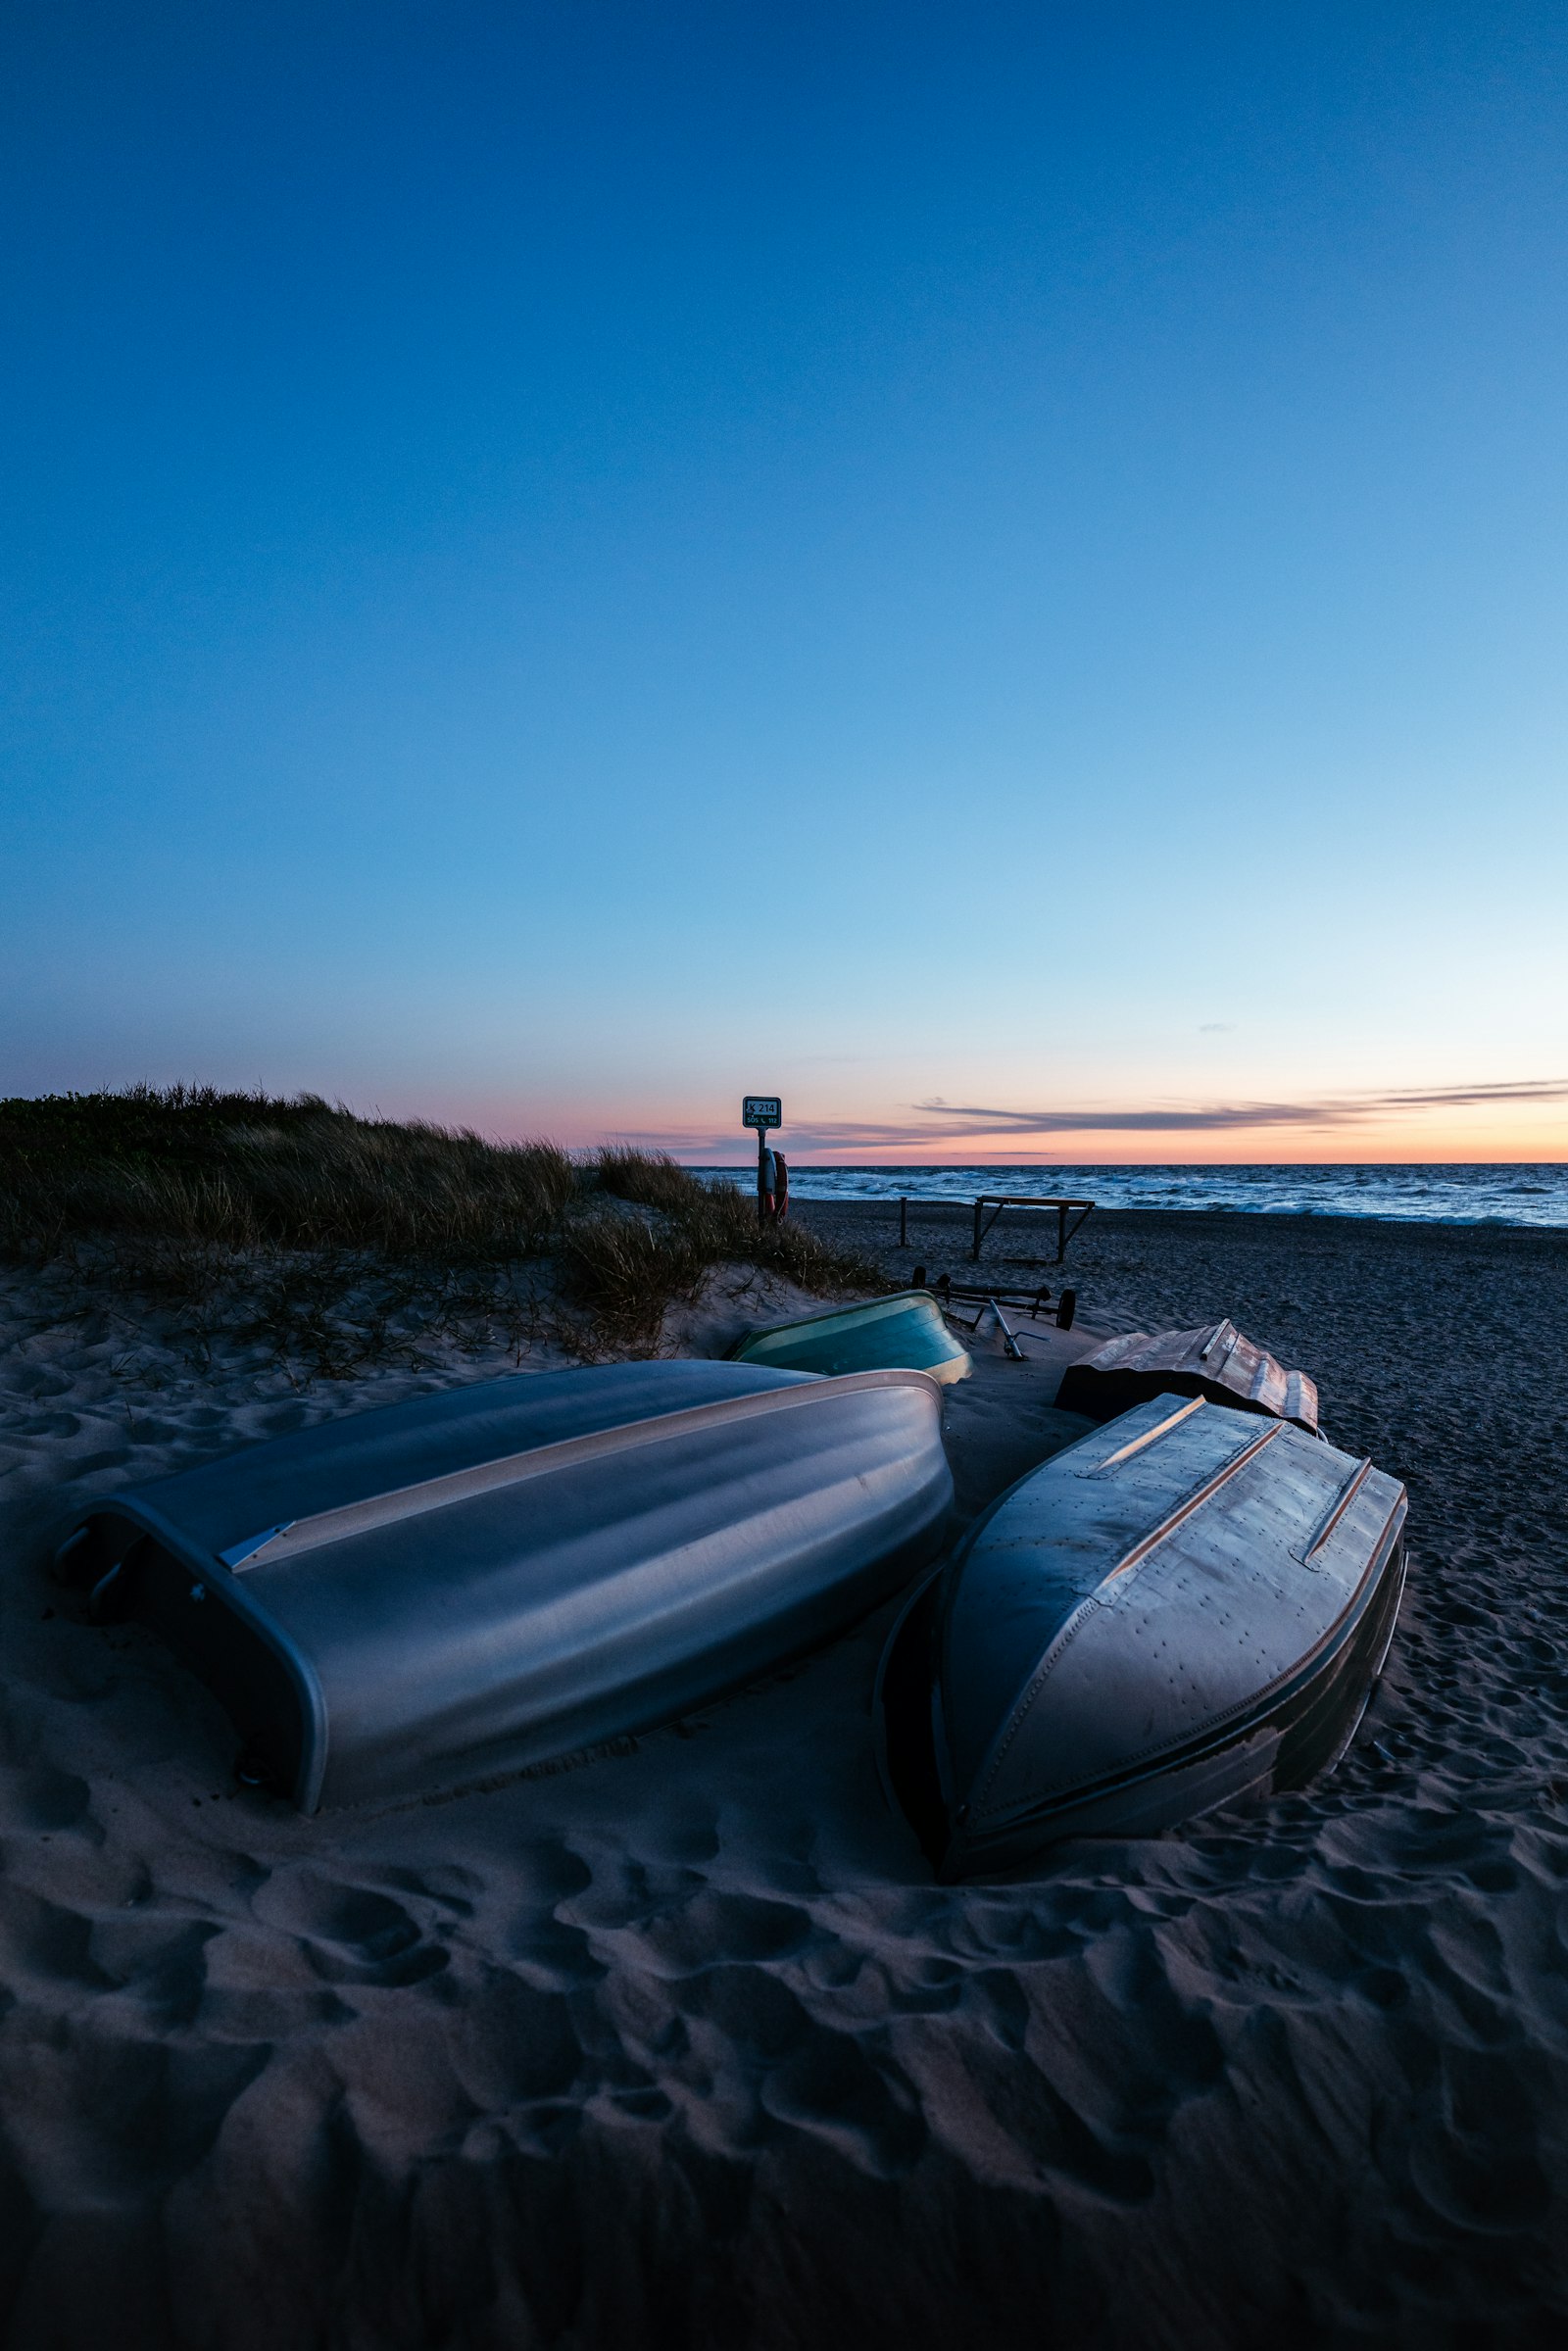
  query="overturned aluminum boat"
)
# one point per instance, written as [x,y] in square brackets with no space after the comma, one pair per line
[1215,1361]
[1181,1609]
[904,1332]
[468,1582]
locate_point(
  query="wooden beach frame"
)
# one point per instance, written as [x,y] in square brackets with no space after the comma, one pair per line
[996,1201]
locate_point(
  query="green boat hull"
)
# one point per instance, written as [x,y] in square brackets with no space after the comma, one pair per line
[902,1332]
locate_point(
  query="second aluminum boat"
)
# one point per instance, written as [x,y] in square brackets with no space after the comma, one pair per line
[1182,1609]
[1216,1361]
[471,1581]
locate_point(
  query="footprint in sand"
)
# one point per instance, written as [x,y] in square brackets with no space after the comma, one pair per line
[1482,2171]
[32,1381]
[765,2061]
[43,1800]
[536,1938]
[48,1942]
[513,2044]
[159,1961]
[829,2086]
[1064,2143]
[109,1457]
[551,1951]
[547,1872]
[720,1929]
[350,1934]
[448,1886]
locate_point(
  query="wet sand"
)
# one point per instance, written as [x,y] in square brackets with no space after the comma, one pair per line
[683,2046]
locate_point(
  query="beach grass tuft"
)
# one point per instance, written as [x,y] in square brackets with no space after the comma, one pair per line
[718,1222]
[650,1179]
[625,1271]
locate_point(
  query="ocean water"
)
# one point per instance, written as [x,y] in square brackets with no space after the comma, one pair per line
[1533,1194]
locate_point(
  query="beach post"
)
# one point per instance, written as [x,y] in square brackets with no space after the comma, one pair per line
[761,1111]
[904,1224]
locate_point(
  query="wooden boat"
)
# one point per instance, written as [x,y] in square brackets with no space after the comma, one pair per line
[1214,1362]
[471,1581]
[1182,1609]
[904,1332]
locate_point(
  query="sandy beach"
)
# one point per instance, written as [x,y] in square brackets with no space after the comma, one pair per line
[682,2045]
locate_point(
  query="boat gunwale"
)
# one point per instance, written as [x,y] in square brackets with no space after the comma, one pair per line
[302,1535]
[804,1322]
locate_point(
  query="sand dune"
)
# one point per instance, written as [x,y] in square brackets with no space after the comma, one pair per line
[680,2045]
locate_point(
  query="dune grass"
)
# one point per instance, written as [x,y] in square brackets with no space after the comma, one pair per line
[335,1234]
[248,1171]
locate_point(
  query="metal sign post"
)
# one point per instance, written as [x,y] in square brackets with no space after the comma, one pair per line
[761,1111]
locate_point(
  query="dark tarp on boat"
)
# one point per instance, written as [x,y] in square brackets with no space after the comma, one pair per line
[1184,1607]
[471,1581]
[1214,1362]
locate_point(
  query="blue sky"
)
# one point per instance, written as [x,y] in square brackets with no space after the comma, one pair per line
[984,569]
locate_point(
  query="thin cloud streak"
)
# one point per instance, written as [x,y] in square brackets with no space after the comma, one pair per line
[941,1125]
[808,1134]
[1216,1119]
[1226,1117]
[1538,1089]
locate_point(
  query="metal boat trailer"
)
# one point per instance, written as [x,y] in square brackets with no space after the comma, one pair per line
[1035,1303]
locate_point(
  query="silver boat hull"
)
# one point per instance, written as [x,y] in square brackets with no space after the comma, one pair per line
[1186,1607]
[423,1594]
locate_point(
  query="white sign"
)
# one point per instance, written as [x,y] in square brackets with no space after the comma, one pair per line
[762,1110]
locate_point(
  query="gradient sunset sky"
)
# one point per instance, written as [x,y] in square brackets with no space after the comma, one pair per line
[1000,572]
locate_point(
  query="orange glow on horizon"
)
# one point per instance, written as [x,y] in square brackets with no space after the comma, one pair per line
[1089,1157]
[1542,1143]
[889,1135]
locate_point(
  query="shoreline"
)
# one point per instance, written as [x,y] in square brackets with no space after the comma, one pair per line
[961,1210]
[1533,1199]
